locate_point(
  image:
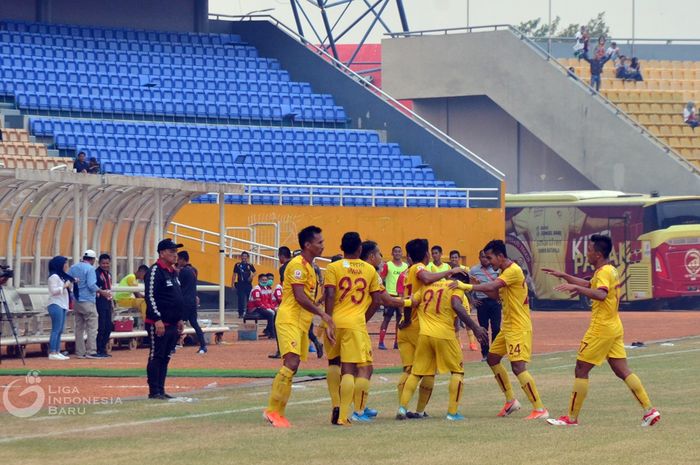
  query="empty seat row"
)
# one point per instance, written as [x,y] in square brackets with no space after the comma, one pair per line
[136,80]
[119,33]
[146,69]
[358,198]
[33,163]
[14,135]
[111,106]
[242,61]
[122,45]
[49,126]
[23,149]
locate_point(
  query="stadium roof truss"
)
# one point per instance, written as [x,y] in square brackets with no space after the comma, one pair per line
[48,213]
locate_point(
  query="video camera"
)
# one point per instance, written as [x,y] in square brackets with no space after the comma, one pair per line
[5,273]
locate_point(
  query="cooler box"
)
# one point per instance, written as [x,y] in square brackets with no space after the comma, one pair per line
[124,325]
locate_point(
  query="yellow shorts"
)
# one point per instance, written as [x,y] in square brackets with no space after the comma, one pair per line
[597,349]
[408,340]
[332,350]
[434,355]
[517,346]
[138,303]
[293,339]
[352,345]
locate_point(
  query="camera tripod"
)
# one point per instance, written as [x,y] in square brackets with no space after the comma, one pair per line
[11,321]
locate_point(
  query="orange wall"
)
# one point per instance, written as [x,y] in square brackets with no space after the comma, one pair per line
[466,230]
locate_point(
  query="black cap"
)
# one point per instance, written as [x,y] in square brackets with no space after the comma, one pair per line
[168,244]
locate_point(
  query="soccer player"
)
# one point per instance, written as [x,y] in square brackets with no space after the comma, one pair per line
[409,327]
[293,321]
[515,338]
[438,349]
[390,273]
[350,288]
[437,265]
[604,338]
[455,257]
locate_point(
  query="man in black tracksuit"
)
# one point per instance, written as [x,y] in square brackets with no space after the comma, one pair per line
[165,307]
[187,274]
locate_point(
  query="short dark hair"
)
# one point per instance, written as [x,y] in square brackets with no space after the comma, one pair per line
[284,252]
[245,253]
[183,255]
[143,268]
[602,244]
[104,256]
[335,258]
[417,249]
[436,247]
[463,277]
[396,247]
[496,246]
[350,242]
[270,275]
[367,248]
[307,234]
[262,276]
[453,252]
[81,153]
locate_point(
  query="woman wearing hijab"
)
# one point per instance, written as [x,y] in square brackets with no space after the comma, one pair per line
[60,287]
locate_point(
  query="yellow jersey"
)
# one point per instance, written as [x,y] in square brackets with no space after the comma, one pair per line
[412,285]
[516,308]
[354,281]
[433,268]
[299,272]
[435,312]
[605,319]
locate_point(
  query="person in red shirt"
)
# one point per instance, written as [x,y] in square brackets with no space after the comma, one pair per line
[260,305]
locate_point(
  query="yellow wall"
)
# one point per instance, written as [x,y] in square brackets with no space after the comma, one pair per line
[466,230]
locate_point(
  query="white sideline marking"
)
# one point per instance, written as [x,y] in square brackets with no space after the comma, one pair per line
[151,421]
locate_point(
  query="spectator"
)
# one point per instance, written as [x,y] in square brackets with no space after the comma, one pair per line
[600,48]
[596,65]
[488,307]
[243,273]
[613,52]
[80,165]
[163,316]
[93,166]
[634,71]
[690,116]
[581,45]
[571,72]
[85,312]
[60,287]
[260,305]
[621,68]
[104,304]
[187,274]
[136,299]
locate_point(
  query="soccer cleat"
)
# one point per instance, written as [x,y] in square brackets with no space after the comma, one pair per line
[509,407]
[416,415]
[455,417]
[473,347]
[312,349]
[562,421]
[381,346]
[651,417]
[538,415]
[335,413]
[275,419]
[396,345]
[370,412]
[360,417]
[344,422]
[401,414]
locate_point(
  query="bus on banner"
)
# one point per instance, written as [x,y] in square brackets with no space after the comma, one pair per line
[656,245]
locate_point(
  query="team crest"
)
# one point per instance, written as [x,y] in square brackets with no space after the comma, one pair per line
[297,274]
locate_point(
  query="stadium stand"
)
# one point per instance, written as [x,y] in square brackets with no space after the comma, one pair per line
[657,102]
[199,107]
[17,150]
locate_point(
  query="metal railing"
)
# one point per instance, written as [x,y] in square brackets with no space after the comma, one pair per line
[360,80]
[203,237]
[548,57]
[314,194]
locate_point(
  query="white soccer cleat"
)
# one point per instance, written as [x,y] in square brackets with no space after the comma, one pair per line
[651,417]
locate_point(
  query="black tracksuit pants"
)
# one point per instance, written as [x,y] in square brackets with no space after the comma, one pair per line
[489,312]
[104,324]
[159,357]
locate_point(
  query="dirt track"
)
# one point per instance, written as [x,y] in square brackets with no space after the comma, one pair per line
[553,331]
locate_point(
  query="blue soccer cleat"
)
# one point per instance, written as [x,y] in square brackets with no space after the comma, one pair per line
[401,414]
[455,417]
[370,412]
[381,346]
[312,349]
[360,417]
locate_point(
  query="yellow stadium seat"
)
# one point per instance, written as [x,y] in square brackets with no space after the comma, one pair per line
[665,131]
[666,119]
[687,130]
[654,118]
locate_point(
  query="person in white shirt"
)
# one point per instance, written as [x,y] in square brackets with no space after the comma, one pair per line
[613,52]
[60,286]
[690,115]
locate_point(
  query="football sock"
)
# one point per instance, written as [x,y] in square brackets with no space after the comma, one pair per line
[361,394]
[635,384]
[503,381]
[382,334]
[456,385]
[426,390]
[402,381]
[347,392]
[409,389]
[527,382]
[281,389]
[578,395]
[472,338]
[333,381]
